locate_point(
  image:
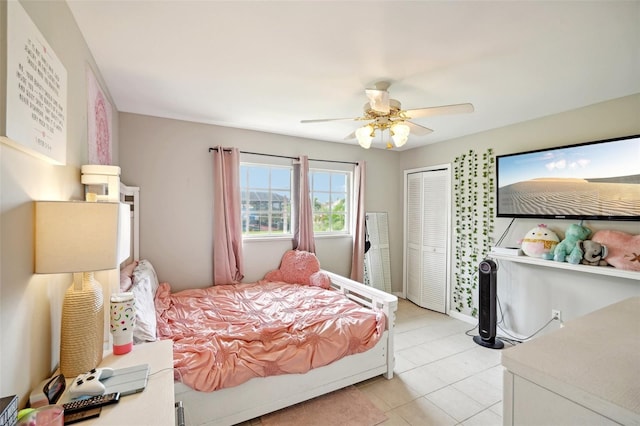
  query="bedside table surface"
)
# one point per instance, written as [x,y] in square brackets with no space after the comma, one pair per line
[153,406]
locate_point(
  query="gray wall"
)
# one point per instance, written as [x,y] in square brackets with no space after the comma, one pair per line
[170,161]
[30,305]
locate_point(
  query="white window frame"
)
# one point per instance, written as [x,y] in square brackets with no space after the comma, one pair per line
[267,235]
[348,196]
[272,162]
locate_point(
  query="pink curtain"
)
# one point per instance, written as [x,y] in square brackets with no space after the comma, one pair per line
[227,225]
[357,258]
[303,238]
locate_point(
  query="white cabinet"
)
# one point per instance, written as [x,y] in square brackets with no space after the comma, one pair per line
[426,236]
[583,374]
[536,406]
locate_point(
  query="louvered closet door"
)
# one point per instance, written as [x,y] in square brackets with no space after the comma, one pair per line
[427,235]
[413,237]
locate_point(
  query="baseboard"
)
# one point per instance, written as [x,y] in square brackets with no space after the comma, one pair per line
[462,317]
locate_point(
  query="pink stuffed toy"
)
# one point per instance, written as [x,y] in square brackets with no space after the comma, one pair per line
[299,267]
[623,249]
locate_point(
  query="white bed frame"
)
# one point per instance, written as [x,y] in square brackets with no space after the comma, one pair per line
[263,395]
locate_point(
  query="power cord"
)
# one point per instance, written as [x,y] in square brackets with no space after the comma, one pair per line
[504,233]
[519,339]
[508,337]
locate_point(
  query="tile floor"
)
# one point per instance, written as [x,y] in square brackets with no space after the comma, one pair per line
[441,376]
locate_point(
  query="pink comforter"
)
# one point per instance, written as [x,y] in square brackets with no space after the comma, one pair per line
[226,335]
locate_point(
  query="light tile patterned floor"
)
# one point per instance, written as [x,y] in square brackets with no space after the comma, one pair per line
[441,377]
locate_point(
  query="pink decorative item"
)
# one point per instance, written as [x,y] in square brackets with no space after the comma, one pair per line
[123,320]
[47,415]
[98,122]
[299,267]
[623,249]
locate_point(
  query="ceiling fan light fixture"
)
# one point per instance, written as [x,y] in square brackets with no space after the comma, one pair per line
[399,133]
[365,135]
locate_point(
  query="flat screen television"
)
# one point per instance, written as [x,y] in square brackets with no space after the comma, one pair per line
[591,180]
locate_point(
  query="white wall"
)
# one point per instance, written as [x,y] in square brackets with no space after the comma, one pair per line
[529,293]
[170,161]
[30,305]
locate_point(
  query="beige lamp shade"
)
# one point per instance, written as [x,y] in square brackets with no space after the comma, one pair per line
[76,236]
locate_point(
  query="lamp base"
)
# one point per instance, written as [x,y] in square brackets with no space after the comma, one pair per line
[82,327]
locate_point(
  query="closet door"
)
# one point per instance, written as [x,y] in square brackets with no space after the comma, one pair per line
[427,235]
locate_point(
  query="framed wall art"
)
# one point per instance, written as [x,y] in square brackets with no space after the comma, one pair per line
[36,91]
[99,130]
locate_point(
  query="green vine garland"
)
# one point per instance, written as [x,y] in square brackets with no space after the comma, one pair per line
[475,213]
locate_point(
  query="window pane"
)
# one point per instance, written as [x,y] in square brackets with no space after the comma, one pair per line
[280,224]
[339,183]
[321,222]
[321,202]
[258,177]
[330,192]
[280,178]
[338,223]
[321,181]
[338,203]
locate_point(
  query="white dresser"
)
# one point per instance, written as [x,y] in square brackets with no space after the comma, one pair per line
[586,373]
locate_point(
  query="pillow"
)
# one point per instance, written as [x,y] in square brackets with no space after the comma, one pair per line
[623,249]
[297,267]
[145,286]
[126,276]
[320,279]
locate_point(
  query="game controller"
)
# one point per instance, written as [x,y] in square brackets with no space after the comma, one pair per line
[89,383]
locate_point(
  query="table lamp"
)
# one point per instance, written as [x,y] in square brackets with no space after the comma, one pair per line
[77,236]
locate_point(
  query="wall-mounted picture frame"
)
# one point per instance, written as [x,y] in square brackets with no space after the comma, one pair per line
[99,128]
[36,91]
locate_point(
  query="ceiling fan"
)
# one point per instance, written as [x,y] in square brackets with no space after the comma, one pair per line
[384,113]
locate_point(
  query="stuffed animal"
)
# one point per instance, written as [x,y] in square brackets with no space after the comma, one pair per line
[624,249]
[539,242]
[567,250]
[593,253]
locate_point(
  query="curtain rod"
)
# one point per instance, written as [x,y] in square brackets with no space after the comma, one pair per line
[285,156]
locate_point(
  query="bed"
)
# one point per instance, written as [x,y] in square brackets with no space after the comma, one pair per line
[221,402]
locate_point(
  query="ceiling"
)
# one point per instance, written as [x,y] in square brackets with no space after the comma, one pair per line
[266,65]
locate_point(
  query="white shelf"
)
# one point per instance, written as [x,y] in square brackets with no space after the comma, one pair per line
[601,270]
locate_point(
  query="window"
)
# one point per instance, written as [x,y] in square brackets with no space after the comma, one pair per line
[330,201]
[265,193]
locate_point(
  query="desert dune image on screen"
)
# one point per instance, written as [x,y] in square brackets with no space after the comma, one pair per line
[592,180]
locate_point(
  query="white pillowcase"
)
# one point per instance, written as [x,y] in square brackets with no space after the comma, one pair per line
[145,286]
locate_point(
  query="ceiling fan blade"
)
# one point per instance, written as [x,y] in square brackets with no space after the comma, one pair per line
[439,110]
[378,100]
[323,120]
[350,136]
[417,129]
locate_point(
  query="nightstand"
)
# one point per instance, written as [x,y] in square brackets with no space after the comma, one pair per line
[155,406]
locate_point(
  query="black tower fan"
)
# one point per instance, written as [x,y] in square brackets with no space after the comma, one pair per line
[487,316]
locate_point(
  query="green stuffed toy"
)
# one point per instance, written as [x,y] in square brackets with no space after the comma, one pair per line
[568,249]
